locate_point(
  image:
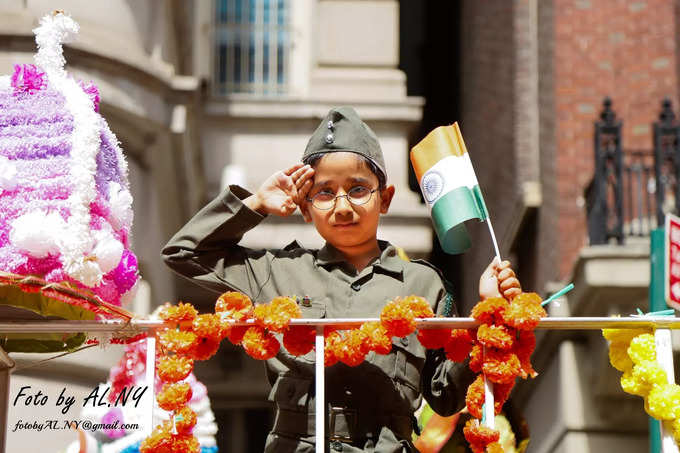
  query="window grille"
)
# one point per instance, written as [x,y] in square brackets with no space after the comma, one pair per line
[251,48]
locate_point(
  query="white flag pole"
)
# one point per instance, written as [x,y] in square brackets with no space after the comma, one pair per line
[489,415]
[320,403]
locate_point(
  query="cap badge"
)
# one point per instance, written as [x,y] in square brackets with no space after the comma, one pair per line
[330,138]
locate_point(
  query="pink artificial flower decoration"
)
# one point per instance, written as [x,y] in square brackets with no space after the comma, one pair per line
[109,419]
[93,93]
[27,78]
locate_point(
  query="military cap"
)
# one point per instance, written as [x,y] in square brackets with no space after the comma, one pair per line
[343,130]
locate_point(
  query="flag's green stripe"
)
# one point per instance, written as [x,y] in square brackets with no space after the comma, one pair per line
[449,213]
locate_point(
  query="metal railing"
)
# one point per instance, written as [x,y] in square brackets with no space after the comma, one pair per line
[632,189]
[661,323]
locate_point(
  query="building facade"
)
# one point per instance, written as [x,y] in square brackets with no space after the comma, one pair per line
[205,93]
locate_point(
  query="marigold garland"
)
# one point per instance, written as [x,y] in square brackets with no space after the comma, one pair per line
[353,349]
[173,396]
[185,420]
[501,348]
[174,368]
[178,313]
[459,345]
[299,340]
[377,338]
[398,318]
[633,351]
[434,338]
[259,343]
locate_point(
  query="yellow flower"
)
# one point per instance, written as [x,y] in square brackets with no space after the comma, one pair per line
[663,402]
[633,386]
[623,335]
[649,373]
[618,356]
[642,348]
[675,426]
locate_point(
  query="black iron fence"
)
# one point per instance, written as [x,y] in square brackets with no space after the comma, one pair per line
[632,190]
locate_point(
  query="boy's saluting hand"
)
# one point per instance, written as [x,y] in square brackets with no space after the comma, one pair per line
[283,191]
[499,280]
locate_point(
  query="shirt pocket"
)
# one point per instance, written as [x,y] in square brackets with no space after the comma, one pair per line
[409,361]
[291,392]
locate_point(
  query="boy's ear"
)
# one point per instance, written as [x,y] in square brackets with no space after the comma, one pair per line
[304,209]
[386,196]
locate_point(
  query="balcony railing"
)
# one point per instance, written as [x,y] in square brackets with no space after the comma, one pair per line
[632,189]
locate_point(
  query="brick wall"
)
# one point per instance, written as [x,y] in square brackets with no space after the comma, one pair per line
[586,50]
[624,49]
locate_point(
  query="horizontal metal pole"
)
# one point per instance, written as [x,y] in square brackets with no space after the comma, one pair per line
[556,323]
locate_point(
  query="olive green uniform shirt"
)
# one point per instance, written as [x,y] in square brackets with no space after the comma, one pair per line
[378,397]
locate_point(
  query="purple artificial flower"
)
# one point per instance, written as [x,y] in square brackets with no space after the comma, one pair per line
[27,79]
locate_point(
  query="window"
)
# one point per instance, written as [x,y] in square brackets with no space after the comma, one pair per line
[251,46]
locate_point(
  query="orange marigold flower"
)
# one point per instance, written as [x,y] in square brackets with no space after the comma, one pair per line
[501,393]
[500,337]
[434,338]
[474,398]
[397,318]
[494,447]
[524,347]
[353,349]
[185,443]
[459,345]
[376,337]
[276,315]
[500,367]
[477,434]
[174,368]
[234,305]
[331,342]
[208,325]
[160,440]
[178,313]
[420,307]
[476,358]
[173,396]
[177,341]
[235,334]
[299,340]
[260,344]
[524,312]
[490,310]
[185,419]
[204,348]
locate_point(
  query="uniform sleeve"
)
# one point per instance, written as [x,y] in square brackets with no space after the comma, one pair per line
[206,249]
[444,382]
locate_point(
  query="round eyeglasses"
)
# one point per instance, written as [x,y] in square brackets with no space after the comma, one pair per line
[357,196]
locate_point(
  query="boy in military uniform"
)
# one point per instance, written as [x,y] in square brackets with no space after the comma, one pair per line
[341,187]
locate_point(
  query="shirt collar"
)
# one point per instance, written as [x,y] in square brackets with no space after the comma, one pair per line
[388,261]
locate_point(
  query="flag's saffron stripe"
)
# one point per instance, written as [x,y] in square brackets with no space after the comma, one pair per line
[440,143]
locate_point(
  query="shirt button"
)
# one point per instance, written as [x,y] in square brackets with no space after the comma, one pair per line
[404,341]
[356,286]
[337,446]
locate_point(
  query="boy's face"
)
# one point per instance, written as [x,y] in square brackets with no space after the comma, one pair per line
[346,224]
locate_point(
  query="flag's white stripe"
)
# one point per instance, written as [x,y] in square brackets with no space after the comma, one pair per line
[448,174]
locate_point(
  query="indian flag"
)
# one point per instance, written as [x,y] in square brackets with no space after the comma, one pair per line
[449,185]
